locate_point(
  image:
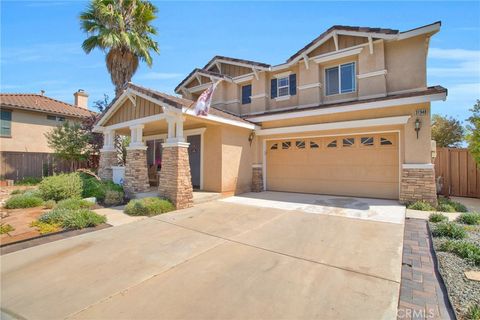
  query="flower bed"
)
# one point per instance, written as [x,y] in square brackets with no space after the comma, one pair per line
[457,247]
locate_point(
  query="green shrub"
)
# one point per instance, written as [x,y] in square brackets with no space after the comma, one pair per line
[56,216]
[473,312]
[23,201]
[6,228]
[82,218]
[28,181]
[113,198]
[421,205]
[148,207]
[49,204]
[444,207]
[437,217]
[17,191]
[44,227]
[62,186]
[463,249]
[98,189]
[449,230]
[457,206]
[74,203]
[72,219]
[471,218]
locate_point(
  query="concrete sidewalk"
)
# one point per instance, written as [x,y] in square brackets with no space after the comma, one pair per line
[116,216]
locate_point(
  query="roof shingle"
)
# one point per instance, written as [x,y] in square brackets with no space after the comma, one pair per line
[40,103]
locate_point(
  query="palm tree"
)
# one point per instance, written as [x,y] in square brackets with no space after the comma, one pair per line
[123,28]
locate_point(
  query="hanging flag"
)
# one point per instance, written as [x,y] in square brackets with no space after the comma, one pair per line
[203,103]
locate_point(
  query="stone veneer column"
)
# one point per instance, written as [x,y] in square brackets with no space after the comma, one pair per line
[136,171]
[175,181]
[418,183]
[108,159]
[257,178]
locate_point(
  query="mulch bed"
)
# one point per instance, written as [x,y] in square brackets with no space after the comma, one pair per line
[462,291]
[42,239]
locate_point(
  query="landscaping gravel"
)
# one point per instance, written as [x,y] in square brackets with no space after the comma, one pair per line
[462,292]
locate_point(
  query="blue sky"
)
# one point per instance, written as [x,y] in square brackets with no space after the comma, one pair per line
[40,42]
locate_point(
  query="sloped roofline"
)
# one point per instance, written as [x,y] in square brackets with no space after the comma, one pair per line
[381,33]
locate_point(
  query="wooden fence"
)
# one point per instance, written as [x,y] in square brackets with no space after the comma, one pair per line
[19,165]
[460,174]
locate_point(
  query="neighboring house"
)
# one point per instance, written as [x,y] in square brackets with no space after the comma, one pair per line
[25,118]
[348,114]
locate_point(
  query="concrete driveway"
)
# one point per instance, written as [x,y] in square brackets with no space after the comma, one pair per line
[219,260]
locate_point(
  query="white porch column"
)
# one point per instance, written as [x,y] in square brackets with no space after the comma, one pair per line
[136,170]
[108,140]
[179,129]
[108,156]
[175,128]
[136,137]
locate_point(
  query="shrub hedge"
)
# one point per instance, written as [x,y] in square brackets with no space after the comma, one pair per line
[471,218]
[449,230]
[62,186]
[72,218]
[421,205]
[148,207]
[73,204]
[23,201]
[437,217]
[463,249]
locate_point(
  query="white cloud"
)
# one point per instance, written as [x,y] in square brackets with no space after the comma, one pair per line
[159,76]
[458,63]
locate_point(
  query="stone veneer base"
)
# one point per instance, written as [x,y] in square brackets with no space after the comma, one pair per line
[418,184]
[136,172]
[257,179]
[175,182]
[107,160]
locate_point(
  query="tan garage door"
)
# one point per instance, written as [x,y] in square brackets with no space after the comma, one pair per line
[360,165]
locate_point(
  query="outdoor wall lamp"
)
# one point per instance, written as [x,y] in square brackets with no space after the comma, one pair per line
[251,137]
[418,124]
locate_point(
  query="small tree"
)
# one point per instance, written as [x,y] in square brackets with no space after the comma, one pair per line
[473,135]
[70,143]
[447,131]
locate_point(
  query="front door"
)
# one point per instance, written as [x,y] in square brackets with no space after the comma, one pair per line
[194,155]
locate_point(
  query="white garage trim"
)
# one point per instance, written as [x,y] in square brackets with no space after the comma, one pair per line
[336,125]
[264,150]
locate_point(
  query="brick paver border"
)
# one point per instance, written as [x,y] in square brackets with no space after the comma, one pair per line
[422,292]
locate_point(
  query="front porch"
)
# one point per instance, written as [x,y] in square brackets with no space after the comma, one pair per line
[166,150]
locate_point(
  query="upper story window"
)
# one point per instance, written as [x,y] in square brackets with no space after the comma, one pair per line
[247,94]
[6,123]
[283,86]
[340,79]
[55,118]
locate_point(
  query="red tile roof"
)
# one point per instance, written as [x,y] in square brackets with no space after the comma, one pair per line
[40,103]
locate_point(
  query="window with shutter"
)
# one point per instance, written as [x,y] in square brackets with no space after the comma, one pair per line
[246,94]
[293,84]
[6,123]
[273,88]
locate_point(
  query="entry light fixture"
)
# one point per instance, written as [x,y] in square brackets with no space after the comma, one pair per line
[418,125]
[251,137]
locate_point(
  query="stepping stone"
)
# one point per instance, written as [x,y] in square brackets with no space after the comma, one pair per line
[473,275]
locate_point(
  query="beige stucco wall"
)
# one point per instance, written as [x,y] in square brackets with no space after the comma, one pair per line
[404,62]
[236,160]
[28,132]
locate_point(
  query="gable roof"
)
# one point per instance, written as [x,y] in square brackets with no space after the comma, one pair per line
[236,60]
[343,28]
[382,33]
[40,103]
[204,72]
[173,101]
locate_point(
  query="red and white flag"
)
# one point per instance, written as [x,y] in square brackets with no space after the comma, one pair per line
[203,103]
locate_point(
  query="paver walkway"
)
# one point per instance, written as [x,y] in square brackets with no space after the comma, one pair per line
[422,294]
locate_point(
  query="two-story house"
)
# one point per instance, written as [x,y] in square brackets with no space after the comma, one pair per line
[25,119]
[348,114]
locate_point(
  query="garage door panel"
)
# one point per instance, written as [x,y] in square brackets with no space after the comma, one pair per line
[357,170]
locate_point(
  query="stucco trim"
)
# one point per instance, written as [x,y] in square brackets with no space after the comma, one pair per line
[220,119]
[372,74]
[400,120]
[257,96]
[337,55]
[417,166]
[310,86]
[349,108]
